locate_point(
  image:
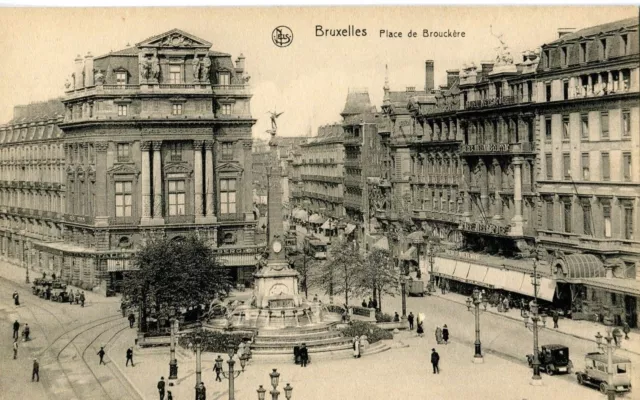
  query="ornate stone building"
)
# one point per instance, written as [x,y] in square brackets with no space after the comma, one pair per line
[157,141]
[589,174]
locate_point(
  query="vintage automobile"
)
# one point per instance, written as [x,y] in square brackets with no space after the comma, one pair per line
[554,359]
[416,288]
[40,286]
[59,292]
[596,372]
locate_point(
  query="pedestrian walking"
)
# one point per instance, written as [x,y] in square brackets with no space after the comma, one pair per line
[71,297]
[35,372]
[616,334]
[161,388]
[132,320]
[410,319]
[16,329]
[626,329]
[396,317]
[16,298]
[356,347]
[505,304]
[15,349]
[435,360]
[555,318]
[169,395]
[438,335]
[445,334]
[82,299]
[420,330]
[217,369]
[201,393]
[101,353]
[130,357]
[420,320]
[26,332]
[304,355]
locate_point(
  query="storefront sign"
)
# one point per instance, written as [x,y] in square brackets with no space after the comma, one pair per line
[484,228]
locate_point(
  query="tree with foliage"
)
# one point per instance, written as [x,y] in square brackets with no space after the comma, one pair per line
[305,265]
[173,274]
[341,273]
[379,274]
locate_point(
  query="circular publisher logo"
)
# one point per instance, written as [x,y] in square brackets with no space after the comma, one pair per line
[282,36]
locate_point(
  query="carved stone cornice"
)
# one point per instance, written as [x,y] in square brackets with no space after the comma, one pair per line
[197,144]
[145,146]
[247,144]
[101,147]
[209,144]
[157,145]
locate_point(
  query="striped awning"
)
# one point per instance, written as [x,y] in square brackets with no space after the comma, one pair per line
[445,266]
[317,219]
[477,273]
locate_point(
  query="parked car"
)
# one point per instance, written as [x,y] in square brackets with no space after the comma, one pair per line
[596,372]
[554,359]
[415,288]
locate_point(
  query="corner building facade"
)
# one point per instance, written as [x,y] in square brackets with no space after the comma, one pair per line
[157,142]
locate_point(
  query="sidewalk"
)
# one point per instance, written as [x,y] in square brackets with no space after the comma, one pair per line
[585,330]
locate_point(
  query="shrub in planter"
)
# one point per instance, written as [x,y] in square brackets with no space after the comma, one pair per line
[373,333]
[383,317]
[213,341]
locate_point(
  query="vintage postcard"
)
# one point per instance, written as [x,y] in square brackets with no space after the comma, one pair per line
[319,203]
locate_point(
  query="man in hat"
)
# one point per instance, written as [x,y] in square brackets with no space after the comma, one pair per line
[16,329]
[161,387]
[101,353]
[35,373]
[435,360]
[130,357]
[304,355]
[410,319]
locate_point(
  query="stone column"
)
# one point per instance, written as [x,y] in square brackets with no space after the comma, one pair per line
[466,213]
[484,186]
[157,183]
[589,85]
[517,222]
[247,195]
[209,181]
[100,187]
[145,178]
[609,82]
[197,166]
[497,183]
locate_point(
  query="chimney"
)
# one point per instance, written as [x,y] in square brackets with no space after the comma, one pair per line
[88,69]
[240,63]
[565,31]
[428,82]
[79,73]
[452,75]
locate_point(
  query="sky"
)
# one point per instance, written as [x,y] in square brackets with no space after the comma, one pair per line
[307,80]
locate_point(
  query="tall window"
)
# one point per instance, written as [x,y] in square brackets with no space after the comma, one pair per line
[547,91]
[626,123]
[123,199]
[603,46]
[566,166]
[606,167]
[122,109]
[177,196]
[121,78]
[227,196]
[586,217]
[546,60]
[566,205]
[565,90]
[227,150]
[224,78]
[585,166]
[604,125]
[225,109]
[123,152]
[606,214]
[550,219]
[547,129]
[626,167]
[563,56]
[548,162]
[583,52]
[565,127]
[175,74]
[628,221]
[584,128]
[176,109]
[625,44]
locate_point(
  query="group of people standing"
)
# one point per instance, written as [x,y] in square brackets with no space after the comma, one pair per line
[76,297]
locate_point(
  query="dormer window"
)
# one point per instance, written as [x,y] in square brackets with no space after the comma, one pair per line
[563,56]
[546,59]
[583,52]
[224,78]
[121,78]
[175,74]
[625,44]
[603,45]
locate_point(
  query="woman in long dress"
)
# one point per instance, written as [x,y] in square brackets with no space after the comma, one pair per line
[356,347]
[438,335]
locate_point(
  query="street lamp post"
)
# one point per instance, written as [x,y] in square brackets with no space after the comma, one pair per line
[535,317]
[475,300]
[275,378]
[403,286]
[24,262]
[231,375]
[173,362]
[430,254]
[307,203]
[609,347]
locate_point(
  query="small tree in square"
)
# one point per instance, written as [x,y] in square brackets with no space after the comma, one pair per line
[172,274]
[379,274]
[341,273]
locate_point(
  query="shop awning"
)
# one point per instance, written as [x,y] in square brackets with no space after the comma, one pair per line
[445,266]
[477,274]
[410,254]
[462,270]
[618,285]
[495,278]
[513,281]
[416,237]
[327,225]
[316,219]
[349,229]
[582,266]
[382,244]
[302,215]
[547,289]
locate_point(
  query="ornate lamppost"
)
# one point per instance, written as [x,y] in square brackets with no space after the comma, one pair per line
[535,318]
[275,377]
[609,348]
[231,375]
[173,362]
[198,350]
[473,305]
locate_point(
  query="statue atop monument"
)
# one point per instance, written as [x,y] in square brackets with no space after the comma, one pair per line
[274,117]
[504,55]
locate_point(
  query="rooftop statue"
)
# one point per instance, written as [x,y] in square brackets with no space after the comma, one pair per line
[274,116]
[504,55]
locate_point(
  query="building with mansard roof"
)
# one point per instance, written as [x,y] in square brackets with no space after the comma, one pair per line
[155,140]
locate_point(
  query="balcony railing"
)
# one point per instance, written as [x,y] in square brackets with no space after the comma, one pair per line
[495,102]
[176,86]
[497,148]
[230,89]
